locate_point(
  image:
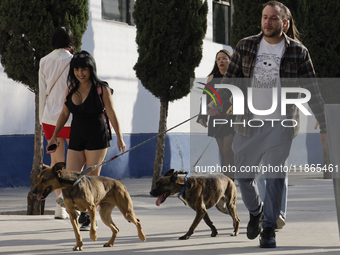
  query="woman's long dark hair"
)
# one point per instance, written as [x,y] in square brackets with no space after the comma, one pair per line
[84,59]
[62,38]
[215,69]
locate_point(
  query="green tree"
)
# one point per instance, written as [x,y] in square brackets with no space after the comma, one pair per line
[322,38]
[169,36]
[26,28]
[246,19]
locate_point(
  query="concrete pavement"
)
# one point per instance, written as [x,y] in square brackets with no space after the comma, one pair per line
[311,225]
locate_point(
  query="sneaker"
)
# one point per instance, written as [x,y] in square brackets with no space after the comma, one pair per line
[254,225]
[60,203]
[280,222]
[82,217]
[267,238]
[87,224]
[60,213]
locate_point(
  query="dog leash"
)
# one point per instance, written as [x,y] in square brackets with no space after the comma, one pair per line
[229,113]
[189,173]
[88,170]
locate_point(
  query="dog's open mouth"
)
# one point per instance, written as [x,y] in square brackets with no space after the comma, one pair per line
[45,193]
[162,198]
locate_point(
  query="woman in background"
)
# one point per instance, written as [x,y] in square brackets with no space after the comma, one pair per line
[53,72]
[224,134]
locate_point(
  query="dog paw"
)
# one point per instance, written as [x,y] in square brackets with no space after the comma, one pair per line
[142,237]
[185,237]
[214,233]
[233,234]
[93,236]
[108,244]
[77,248]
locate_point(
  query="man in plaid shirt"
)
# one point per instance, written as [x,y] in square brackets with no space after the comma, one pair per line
[262,62]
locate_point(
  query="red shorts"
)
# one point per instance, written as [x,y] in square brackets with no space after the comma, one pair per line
[49,129]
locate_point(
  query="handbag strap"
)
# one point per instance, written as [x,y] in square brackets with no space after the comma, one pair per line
[58,78]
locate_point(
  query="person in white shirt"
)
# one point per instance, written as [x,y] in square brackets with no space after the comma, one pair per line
[53,72]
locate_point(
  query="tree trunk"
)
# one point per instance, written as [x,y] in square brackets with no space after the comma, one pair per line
[158,164]
[35,207]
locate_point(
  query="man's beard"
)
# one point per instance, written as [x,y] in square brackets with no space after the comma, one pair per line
[275,32]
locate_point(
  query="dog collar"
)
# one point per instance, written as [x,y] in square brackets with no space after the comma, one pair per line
[185,184]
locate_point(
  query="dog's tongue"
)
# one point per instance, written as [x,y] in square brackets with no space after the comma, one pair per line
[39,197]
[159,200]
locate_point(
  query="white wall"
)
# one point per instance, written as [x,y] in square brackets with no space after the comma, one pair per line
[16,107]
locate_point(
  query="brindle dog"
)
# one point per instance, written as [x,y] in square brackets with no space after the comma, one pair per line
[201,193]
[85,195]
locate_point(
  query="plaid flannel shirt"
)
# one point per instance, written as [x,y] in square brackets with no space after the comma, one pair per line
[295,65]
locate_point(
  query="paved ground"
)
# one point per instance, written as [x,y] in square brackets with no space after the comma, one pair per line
[311,225]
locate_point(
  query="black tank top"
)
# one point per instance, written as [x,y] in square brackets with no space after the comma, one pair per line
[88,128]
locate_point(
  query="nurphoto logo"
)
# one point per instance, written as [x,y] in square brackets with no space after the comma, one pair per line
[204,97]
[238,103]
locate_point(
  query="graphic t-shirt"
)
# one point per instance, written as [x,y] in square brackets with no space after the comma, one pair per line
[266,78]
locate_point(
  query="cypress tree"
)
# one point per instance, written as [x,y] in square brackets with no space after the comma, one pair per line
[322,38]
[246,19]
[26,29]
[169,36]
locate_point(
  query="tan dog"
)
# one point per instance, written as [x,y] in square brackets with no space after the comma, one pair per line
[85,195]
[200,194]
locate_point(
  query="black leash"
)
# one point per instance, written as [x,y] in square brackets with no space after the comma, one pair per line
[88,170]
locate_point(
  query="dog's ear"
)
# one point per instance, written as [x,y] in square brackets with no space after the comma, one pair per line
[58,168]
[169,173]
[181,181]
[174,176]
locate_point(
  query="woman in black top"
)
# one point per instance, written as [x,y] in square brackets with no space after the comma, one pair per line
[86,98]
[224,134]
